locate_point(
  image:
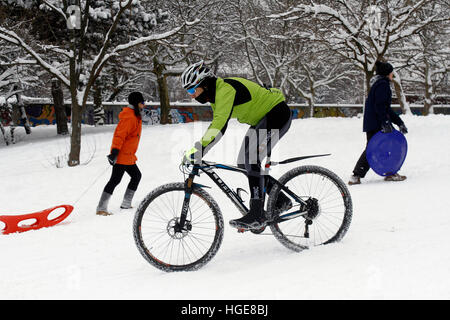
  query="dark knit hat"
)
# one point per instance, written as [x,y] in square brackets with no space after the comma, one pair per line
[135,98]
[383,68]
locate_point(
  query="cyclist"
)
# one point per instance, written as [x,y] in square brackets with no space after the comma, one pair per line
[264,109]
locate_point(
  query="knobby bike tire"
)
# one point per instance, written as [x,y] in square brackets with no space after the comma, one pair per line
[158,243]
[334,208]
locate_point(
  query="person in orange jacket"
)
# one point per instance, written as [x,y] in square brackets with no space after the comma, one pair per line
[123,153]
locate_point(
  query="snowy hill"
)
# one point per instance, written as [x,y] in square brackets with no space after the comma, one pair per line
[397,246]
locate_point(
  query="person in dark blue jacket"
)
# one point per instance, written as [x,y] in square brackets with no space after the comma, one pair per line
[378,115]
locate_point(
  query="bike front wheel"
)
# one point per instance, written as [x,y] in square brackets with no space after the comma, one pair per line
[323,218]
[166,246]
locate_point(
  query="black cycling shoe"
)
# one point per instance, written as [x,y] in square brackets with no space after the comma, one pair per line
[248,222]
[254,219]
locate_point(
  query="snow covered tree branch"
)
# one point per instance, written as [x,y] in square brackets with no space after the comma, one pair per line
[89,50]
[363,37]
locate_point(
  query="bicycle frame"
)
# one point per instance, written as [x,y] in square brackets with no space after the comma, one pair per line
[207,168]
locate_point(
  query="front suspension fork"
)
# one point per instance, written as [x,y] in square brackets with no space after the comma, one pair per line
[188,187]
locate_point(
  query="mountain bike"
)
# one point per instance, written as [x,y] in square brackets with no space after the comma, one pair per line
[179,226]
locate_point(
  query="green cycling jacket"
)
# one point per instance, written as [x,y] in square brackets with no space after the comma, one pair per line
[242,99]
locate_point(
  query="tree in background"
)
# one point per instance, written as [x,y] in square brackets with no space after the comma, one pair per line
[168,57]
[425,57]
[281,53]
[80,59]
[363,32]
[16,73]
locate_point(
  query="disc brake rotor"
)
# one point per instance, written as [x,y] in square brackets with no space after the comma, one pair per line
[175,231]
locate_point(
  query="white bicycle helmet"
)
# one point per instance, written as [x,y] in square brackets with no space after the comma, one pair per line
[194,74]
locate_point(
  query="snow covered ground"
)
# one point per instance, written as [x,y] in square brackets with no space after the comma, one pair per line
[397,247]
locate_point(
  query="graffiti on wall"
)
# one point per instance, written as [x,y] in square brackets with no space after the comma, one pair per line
[40,115]
[203,114]
[37,115]
[44,114]
[176,117]
[152,115]
[297,113]
[182,115]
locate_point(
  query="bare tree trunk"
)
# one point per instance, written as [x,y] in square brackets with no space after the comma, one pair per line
[164,100]
[99,112]
[12,127]
[60,111]
[21,108]
[75,138]
[2,129]
[429,96]
[428,104]
[404,105]
[312,101]
[311,108]
[163,91]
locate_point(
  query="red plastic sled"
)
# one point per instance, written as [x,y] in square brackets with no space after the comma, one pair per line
[42,221]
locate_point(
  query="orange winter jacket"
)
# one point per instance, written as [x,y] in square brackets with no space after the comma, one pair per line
[126,136]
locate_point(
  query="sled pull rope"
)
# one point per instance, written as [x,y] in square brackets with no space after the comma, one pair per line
[90,186]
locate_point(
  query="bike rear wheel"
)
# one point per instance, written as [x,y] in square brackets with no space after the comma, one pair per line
[167,247]
[328,213]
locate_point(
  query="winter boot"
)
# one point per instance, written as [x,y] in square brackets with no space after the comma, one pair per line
[254,219]
[126,203]
[395,177]
[354,179]
[102,208]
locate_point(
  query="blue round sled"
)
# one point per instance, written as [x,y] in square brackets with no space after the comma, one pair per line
[386,152]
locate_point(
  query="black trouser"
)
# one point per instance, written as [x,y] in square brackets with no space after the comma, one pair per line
[259,142]
[117,174]
[362,166]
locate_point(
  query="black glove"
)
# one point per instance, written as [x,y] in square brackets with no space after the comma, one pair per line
[386,127]
[403,129]
[194,155]
[112,157]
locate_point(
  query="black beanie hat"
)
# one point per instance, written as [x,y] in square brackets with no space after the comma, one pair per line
[383,68]
[135,98]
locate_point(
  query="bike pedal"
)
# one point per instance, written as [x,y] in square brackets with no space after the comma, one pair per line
[241,230]
[258,231]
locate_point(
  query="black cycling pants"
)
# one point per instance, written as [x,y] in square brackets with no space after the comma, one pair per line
[259,142]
